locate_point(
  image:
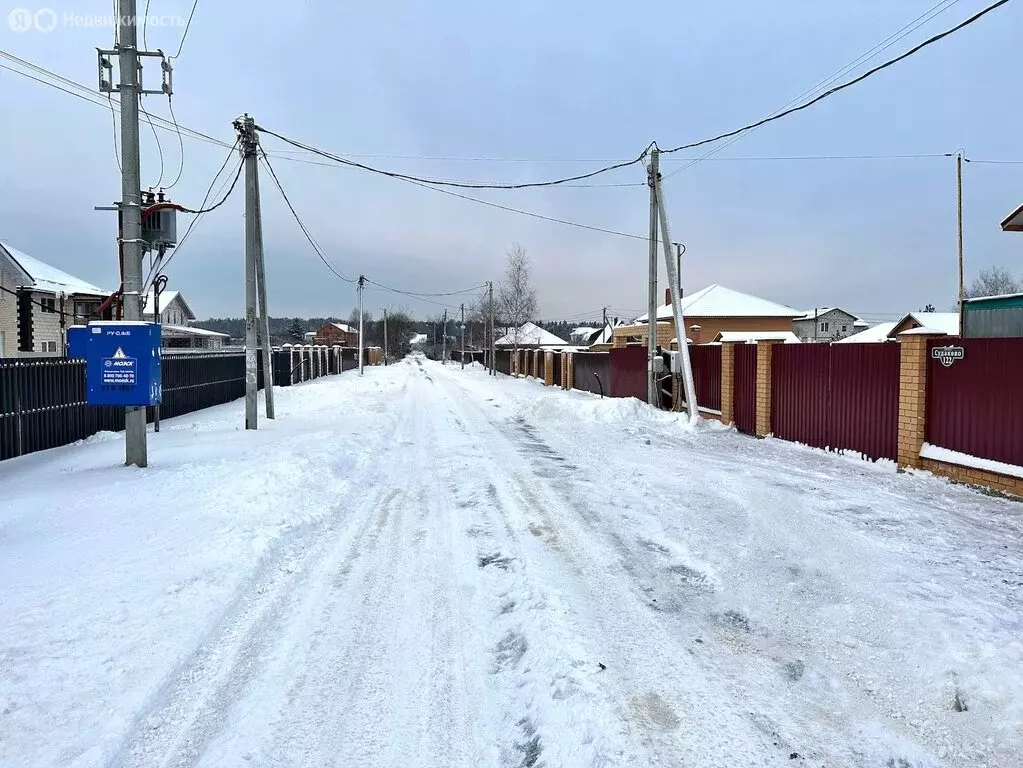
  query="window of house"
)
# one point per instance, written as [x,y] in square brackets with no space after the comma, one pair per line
[47,346]
[824,326]
[844,328]
[48,306]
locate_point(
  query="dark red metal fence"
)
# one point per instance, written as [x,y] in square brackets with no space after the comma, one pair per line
[744,399]
[706,362]
[837,396]
[589,366]
[628,372]
[975,404]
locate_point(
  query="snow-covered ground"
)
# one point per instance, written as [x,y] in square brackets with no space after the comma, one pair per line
[431,567]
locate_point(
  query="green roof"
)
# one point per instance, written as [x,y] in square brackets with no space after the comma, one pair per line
[1008,301]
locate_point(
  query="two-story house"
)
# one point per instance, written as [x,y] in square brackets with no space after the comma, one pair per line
[176,318]
[827,324]
[38,302]
[337,334]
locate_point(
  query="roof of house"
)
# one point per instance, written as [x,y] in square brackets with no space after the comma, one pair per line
[182,330]
[810,314]
[718,301]
[945,322]
[1014,221]
[873,335]
[341,327]
[419,338]
[43,277]
[530,335]
[605,335]
[166,297]
[752,337]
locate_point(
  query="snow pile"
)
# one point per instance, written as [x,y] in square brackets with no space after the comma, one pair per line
[561,406]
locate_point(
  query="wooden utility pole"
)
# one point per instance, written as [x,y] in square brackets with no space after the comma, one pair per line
[652,394]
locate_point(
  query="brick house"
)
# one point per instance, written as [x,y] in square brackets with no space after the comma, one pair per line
[38,302]
[827,324]
[709,312]
[337,334]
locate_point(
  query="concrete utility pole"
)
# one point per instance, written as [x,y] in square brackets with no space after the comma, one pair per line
[362,354]
[385,337]
[679,249]
[463,336]
[135,449]
[493,333]
[444,340]
[959,198]
[159,283]
[676,309]
[249,143]
[653,396]
[264,317]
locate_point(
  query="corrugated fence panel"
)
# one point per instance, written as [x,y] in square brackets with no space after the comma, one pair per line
[745,395]
[557,369]
[628,372]
[588,367]
[800,393]
[706,360]
[865,399]
[975,405]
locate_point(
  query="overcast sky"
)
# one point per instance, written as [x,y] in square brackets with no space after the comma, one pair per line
[565,86]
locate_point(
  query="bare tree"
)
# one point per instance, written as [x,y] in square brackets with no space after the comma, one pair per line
[516,297]
[994,281]
[400,329]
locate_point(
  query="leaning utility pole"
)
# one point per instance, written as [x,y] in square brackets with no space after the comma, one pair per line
[385,337]
[652,386]
[362,354]
[249,143]
[444,340]
[264,317]
[463,336]
[493,333]
[959,197]
[135,449]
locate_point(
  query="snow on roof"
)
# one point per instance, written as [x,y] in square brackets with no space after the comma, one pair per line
[47,278]
[810,314]
[861,324]
[530,335]
[996,296]
[166,297]
[343,327]
[583,330]
[718,301]
[946,322]
[923,330]
[873,335]
[419,338]
[192,331]
[751,337]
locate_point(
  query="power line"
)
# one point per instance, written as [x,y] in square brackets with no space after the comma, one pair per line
[181,143]
[461,185]
[156,138]
[301,225]
[416,293]
[184,34]
[113,121]
[843,86]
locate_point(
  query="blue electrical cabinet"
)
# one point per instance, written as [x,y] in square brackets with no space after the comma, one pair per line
[123,363]
[76,341]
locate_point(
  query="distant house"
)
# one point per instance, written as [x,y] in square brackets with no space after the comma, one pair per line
[827,324]
[944,322]
[38,303]
[710,311]
[337,334]
[993,316]
[418,340]
[176,318]
[529,336]
[580,337]
[752,337]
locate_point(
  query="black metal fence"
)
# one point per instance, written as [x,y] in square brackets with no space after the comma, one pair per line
[43,400]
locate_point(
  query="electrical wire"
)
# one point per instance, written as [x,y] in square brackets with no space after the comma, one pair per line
[113,121]
[184,34]
[417,298]
[848,84]
[302,226]
[156,138]
[461,185]
[181,143]
[415,293]
[145,26]
[56,310]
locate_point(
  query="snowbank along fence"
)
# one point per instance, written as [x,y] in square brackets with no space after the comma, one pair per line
[947,404]
[43,400]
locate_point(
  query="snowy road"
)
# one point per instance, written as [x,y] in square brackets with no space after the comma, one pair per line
[430,567]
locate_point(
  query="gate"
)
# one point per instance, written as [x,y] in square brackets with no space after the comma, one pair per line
[974,404]
[589,367]
[744,400]
[628,373]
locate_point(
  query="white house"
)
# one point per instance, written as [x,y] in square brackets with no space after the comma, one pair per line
[529,335]
[38,302]
[827,324]
[177,317]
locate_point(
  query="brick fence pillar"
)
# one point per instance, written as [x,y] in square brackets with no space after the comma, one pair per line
[764,355]
[728,382]
[569,375]
[618,339]
[534,363]
[548,368]
[912,396]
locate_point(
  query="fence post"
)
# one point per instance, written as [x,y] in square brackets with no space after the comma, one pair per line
[764,350]
[912,396]
[548,369]
[569,377]
[728,382]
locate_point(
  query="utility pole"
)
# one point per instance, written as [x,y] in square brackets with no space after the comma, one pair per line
[604,326]
[385,337]
[493,333]
[959,197]
[135,449]
[362,280]
[264,317]
[444,340]
[652,385]
[159,283]
[463,336]
[249,143]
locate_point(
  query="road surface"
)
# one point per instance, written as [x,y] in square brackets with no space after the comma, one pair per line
[428,567]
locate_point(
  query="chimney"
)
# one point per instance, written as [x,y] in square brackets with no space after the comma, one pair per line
[667,295]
